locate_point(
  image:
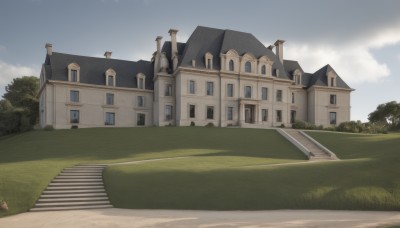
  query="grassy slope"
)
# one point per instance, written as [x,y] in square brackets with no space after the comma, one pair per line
[367,178]
[29,161]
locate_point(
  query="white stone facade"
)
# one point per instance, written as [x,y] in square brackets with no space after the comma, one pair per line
[245,90]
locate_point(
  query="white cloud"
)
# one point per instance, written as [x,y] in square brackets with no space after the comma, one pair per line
[354,64]
[9,71]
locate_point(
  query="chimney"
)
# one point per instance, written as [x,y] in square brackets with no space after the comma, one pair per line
[49,48]
[158,39]
[157,55]
[279,49]
[107,54]
[174,47]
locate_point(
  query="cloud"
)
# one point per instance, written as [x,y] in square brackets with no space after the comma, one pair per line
[355,64]
[352,59]
[9,71]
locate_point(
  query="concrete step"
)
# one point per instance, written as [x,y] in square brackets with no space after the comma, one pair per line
[90,166]
[69,180]
[70,208]
[83,168]
[66,195]
[72,199]
[61,204]
[61,176]
[52,184]
[72,191]
[90,187]
[82,171]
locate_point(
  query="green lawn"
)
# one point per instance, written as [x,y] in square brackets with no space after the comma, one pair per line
[367,178]
[29,161]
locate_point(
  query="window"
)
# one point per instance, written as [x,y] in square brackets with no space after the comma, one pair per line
[279,95]
[231,65]
[168,90]
[264,115]
[247,91]
[141,119]
[110,80]
[210,112]
[110,118]
[275,72]
[110,99]
[278,115]
[73,72]
[210,88]
[264,93]
[168,112]
[192,111]
[140,101]
[247,67]
[293,98]
[191,87]
[332,99]
[74,75]
[208,60]
[230,113]
[292,116]
[141,83]
[332,82]
[332,118]
[74,116]
[74,96]
[229,90]
[263,70]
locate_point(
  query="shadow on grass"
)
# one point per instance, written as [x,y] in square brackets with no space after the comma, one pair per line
[109,144]
[314,186]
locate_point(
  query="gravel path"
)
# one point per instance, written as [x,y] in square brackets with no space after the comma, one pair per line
[114,217]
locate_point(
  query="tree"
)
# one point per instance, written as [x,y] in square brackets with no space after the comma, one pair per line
[388,114]
[22,93]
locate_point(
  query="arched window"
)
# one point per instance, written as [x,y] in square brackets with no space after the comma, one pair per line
[263,69]
[110,77]
[231,65]
[247,67]
[73,72]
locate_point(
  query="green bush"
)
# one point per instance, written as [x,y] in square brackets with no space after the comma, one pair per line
[210,125]
[192,124]
[48,128]
[298,124]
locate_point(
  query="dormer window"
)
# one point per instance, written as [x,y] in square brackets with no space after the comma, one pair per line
[247,67]
[275,72]
[110,77]
[209,60]
[231,65]
[73,72]
[263,70]
[141,81]
[331,79]
[297,77]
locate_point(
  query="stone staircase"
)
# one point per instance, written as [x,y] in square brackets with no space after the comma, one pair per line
[78,187]
[314,150]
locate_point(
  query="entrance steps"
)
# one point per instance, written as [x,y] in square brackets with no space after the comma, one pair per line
[75,188]
[309,146]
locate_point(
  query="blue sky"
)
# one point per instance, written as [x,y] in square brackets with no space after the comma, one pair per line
[360,39]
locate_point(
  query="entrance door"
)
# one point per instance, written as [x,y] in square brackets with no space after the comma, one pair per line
[292,116]
[141,119]
[249,114]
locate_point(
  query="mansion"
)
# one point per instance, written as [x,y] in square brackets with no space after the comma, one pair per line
[224,77]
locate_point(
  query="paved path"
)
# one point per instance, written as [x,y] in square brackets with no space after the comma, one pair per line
[114,217]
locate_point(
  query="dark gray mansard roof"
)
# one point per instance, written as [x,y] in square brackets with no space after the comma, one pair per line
[202,40]
[92,70]
[216,41]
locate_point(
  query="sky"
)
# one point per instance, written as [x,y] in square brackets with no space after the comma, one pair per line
[360,39]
